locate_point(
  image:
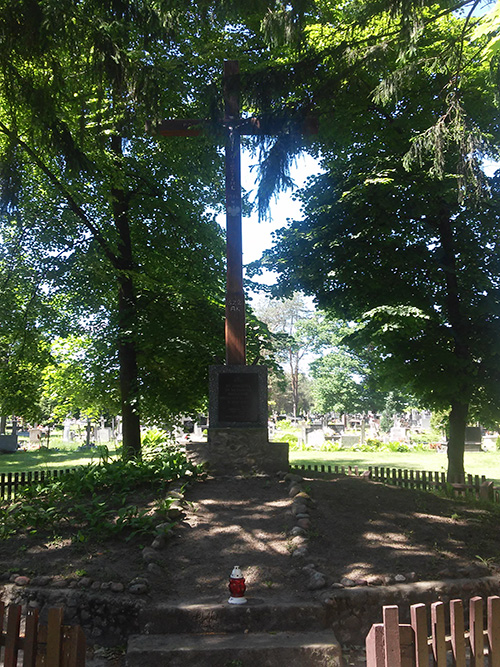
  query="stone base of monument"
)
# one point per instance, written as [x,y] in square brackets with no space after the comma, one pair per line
[238,441]
[229,453]
[240,451]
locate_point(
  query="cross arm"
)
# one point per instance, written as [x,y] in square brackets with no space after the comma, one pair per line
[194,127]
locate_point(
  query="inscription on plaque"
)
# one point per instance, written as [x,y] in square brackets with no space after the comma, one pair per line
[238,397]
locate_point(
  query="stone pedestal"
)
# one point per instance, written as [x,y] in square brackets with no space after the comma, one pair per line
[238,441]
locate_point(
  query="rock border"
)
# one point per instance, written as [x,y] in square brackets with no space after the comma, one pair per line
[353,605]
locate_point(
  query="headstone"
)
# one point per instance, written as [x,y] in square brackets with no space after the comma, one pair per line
[473,438]
[349,441]
[198,432]
[103,434]
[313,437]
[8,443]
[35,436]
[67,434]
[397,433]
[489,442]
[238,396]
[425,420]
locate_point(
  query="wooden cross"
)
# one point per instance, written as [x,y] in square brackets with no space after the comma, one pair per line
[235,126]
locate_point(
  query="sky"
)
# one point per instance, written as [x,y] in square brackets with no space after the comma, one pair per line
[257,236]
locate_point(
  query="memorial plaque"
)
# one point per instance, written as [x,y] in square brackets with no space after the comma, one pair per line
[238,397]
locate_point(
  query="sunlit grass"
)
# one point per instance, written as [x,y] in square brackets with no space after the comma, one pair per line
[57,456]
[476,463]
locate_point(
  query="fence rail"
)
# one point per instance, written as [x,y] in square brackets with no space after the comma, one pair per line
[392,644]
[11,482]
[51,645]
[475,485]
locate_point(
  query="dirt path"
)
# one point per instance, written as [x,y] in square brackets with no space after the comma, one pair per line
[360,530]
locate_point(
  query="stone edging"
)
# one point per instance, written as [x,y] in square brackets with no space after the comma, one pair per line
[354,605]
[351,612]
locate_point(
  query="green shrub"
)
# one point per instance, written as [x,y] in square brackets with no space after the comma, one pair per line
[398,447]
[331,446]
[156,441]
[99,498]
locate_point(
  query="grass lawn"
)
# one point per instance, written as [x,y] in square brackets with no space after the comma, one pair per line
[58,456]
[65,455]
[476,463]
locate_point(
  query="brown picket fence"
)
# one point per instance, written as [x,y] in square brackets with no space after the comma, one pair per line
[475,485]
[42,645]
[450,642]
[11,482]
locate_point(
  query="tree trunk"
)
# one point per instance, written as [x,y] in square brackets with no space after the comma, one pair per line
[127,320]
[459,323]
[129,373]
[456,442]
[294,379]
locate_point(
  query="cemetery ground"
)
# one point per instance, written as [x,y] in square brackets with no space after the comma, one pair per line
[359,530]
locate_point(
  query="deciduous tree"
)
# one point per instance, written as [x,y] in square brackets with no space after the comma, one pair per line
[395,235]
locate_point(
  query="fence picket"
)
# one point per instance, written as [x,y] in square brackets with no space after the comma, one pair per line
[375,651]
[73,646]
[457,631]
[476,625]
[493,610]
[54,636]
[12,638]
[438,633]
[392,643]
[30,638]
[418,617]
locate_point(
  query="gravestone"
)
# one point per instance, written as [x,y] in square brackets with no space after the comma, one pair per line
[35,436]
[313,436]
[238,439]
[397,433]
[102,434]
[349,441]
[473,438]
[68,434]
[8,443]
[425,421]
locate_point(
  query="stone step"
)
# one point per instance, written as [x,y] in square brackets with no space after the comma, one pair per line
[293,649]
[254,616]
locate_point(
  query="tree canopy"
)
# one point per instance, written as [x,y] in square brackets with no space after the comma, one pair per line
[399,233]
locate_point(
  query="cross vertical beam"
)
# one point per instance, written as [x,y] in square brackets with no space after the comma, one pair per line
[235,298]
[234,127]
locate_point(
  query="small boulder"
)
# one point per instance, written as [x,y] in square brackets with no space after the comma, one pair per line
[316,581]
